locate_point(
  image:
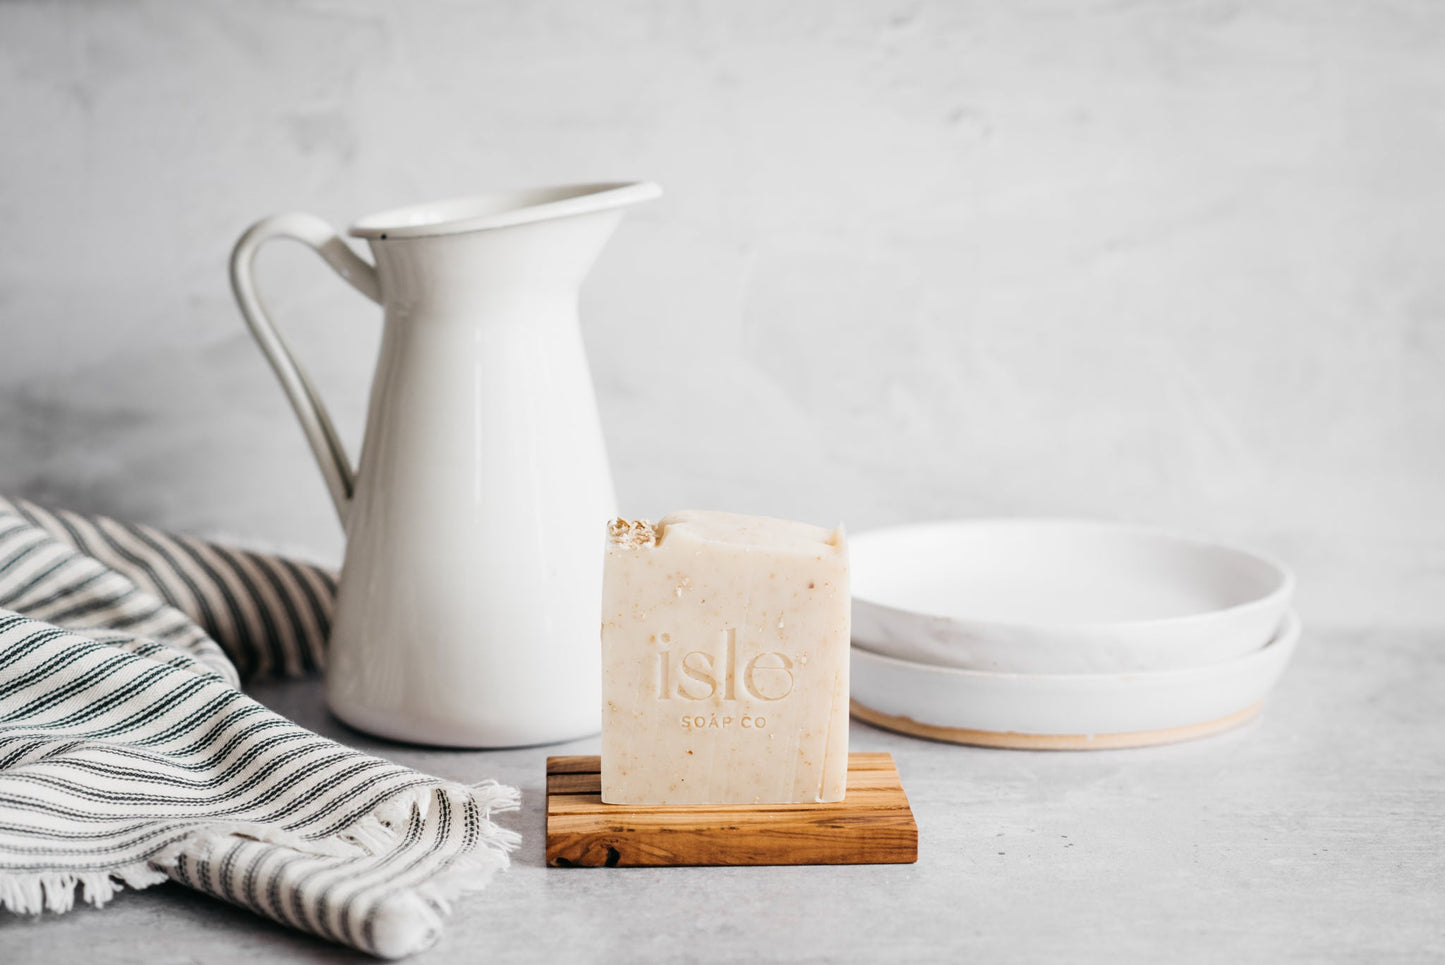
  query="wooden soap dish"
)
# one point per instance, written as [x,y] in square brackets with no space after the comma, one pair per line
[873,825]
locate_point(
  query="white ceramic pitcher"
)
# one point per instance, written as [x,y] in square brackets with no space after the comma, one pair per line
[471,588]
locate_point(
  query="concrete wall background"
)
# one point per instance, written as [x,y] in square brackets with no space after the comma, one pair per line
[1181,263]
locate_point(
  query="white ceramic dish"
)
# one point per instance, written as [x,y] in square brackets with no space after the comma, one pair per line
[1060,596]
[1067,711]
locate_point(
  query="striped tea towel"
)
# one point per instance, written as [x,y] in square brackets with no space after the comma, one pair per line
[128,755]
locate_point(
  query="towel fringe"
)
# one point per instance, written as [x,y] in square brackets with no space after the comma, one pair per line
[410,921]
[31,893]
[381,830]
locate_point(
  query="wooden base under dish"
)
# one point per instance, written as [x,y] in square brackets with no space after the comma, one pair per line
[1052,742]
[873,825]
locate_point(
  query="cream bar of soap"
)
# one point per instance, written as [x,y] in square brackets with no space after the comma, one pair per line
[724,661]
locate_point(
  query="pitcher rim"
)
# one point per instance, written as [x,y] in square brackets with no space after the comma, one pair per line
[501,209]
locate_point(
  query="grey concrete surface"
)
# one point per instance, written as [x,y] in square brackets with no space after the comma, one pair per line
[1313,834]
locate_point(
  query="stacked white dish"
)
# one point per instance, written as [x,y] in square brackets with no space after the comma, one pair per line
[1063,634]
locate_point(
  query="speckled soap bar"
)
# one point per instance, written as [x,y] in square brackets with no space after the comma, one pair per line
[724,661]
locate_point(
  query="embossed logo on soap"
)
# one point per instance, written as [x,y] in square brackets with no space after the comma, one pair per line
[705,674]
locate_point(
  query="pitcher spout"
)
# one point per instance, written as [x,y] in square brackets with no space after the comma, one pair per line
[502,209]
[488,246]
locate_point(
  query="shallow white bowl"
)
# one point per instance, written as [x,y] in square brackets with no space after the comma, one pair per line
[1067,711]
[1060,596]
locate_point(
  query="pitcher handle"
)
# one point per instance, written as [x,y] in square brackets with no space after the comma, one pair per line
[310,410]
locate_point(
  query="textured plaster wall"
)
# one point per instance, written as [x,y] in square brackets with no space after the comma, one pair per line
[1181,263]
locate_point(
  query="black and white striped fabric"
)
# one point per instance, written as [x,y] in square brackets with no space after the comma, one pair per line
[128,755]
